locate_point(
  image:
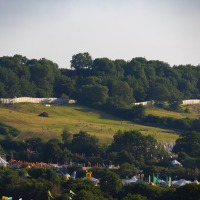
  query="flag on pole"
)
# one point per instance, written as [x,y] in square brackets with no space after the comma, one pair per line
[170,182]
[71,194]
[149,179]
[49,195]
[157,176]
[167,182]
[154,178]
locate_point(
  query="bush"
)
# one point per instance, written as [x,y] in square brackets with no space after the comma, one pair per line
[44,114]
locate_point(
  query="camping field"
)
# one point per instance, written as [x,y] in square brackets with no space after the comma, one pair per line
[24,116]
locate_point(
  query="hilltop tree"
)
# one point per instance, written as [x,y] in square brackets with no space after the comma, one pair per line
[81,61]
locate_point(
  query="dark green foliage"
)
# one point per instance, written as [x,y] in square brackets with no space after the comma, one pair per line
[103,83]
[83,143]
[44,114]
[8,130]
[134,143]
[188,143]
[138,112]
[81,61]
[93,94]
[110,183]
[187,192]
[134,197]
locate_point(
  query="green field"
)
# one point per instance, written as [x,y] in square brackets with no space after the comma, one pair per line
[74,117]
[194,112]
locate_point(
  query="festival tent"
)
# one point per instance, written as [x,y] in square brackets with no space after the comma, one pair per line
[161,182]
[3,162]
[180,182]
[132,180]
[175,162]
[195,181]
[94,180]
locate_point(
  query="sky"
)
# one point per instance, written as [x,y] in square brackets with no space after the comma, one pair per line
[165,30]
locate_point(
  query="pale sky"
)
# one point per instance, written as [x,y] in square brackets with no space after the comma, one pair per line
[166,30]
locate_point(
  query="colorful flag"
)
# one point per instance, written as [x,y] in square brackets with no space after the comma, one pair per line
[149,179]
[154,178]
[157,176]
[49,195]
[167,182]
[71,194]
[170,182]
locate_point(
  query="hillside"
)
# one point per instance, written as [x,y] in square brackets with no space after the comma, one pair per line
[25,118]
[194,112]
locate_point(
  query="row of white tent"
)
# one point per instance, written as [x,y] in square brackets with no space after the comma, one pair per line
[180,182]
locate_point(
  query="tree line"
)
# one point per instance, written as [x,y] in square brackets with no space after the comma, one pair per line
[99,82]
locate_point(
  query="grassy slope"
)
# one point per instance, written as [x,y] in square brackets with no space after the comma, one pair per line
[194,112]
[25,118]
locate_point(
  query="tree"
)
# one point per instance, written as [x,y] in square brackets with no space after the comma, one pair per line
[81,61]
[188,143]
[138,112]
[110,183]
[121,95]
[84,143]
[130,196]
[66,137]
[127,169]
[187,192]
[135,143]
[52,151]
[93,94]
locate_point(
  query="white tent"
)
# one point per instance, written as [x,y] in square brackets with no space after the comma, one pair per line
[3,162]
[132,180]
[175,162]
[162,182]
[180,182]
[94,180]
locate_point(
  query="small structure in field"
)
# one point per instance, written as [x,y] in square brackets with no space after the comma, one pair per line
[44,114]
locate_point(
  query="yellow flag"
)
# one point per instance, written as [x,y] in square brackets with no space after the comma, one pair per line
[71,192]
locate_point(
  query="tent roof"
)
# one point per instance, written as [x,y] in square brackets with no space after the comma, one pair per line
[2,161]
[175,162]
[181,182]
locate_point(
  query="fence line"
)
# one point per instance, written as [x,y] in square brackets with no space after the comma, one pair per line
[184,102]
[71,101]
[37,100]
[191,101]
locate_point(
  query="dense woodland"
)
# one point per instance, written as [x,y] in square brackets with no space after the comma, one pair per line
[112,86]
[112,83]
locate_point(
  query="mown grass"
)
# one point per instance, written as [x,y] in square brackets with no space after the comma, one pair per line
[75,118]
